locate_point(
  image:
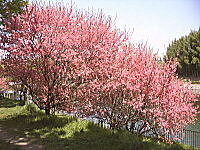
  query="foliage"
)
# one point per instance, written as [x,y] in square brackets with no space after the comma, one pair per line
[78,62]
[10,8]
[186,51]
[60,132]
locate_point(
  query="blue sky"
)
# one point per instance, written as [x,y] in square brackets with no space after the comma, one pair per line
[156,22]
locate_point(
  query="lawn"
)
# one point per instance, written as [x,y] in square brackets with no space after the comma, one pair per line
[61,132]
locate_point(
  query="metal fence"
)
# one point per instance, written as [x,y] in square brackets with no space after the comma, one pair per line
[188,137]
[191,138]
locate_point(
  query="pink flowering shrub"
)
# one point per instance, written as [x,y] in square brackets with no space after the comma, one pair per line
[78,62]
[49,47]
[141,95]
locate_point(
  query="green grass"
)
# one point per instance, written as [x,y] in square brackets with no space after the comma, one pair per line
[61,132]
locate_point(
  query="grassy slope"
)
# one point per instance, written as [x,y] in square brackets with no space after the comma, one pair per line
[69,133]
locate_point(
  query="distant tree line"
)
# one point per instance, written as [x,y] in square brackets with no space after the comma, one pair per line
[186,51]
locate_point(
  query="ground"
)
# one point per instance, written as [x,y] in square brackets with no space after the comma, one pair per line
[21,129]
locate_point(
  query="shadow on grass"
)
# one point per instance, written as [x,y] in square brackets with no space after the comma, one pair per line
[7,146]
[60,132]
[105,139]
[68,133]
[8,103]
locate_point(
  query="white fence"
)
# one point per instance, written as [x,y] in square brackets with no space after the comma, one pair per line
[195,88]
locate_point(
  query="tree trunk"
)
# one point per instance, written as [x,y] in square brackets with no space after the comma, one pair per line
[47,108]
[25,95]
[47,111]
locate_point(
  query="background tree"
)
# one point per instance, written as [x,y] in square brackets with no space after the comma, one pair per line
[10,8]
[186,51]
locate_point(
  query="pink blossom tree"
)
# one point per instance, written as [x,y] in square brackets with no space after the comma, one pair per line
[50,47]
[78,61]
[136,92]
